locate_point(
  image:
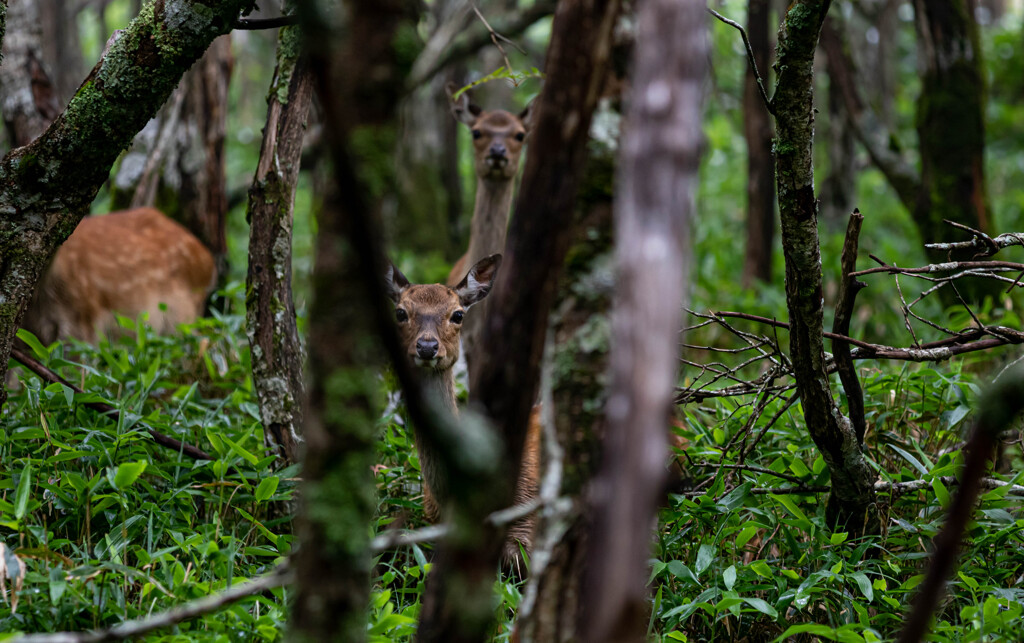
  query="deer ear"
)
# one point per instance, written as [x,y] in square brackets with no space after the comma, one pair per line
[395,282]
[528,114]
[462,109]
[477,284]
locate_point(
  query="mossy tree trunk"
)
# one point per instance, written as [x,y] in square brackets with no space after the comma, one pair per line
[359,71]
[850,504]
[47,186]
[269,307]
[552,607]
[950,122]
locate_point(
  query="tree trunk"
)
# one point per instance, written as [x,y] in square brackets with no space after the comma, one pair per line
[551,609]
[47,186]
[269,308]
[850,505]
[950,122]
[62,48]
[203,197]
[657,185]
[28,96]
[359,79]
[458,609]
[757,129]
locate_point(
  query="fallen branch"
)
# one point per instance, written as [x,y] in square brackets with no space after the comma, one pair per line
[281,575]
[48,375]
[404,538]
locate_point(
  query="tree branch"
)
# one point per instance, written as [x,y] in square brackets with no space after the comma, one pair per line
[280,575]
[750,57]
[48,375]
[848,289]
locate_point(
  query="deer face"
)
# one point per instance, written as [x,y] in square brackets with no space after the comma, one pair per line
[498,136]
[430,316]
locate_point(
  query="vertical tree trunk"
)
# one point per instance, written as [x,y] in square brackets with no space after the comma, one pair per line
[269,308]
[359,78]
[757,129]
[656,191]
[950,121]
[62,49]
[203,199]
[840,185]
[458,609]
[27,95]
[850,504]
[551,609]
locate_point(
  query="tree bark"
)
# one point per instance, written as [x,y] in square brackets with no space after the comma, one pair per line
[26,92]
[655,205]
[850,504]
[269,307]
[358,78]
[47,186]
[551,609]
[62,48]
[950,122]
[757,129]
[203,197]
[459,608]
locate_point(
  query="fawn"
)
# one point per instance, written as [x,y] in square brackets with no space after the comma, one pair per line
[126,262]
[430,319]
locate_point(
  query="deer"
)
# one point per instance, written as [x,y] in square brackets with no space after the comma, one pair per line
[498,140]
[129,262]
[430,318]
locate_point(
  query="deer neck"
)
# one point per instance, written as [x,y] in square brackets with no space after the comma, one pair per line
[490,218]
[438,386]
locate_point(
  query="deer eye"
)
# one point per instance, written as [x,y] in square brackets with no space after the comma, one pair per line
[457,317]
[520,136]
[477,133]
[401,315]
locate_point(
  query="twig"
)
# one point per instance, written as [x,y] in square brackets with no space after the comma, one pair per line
[49,376]
[750,57]
[848,289]
[748,467]
[895,488]
[403,538]
[281,575]
[948,266]
[435,58]
[495,37]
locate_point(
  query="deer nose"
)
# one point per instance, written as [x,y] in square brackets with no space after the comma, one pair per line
[426,348]
[498,149]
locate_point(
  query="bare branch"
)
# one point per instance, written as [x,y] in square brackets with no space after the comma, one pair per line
[281,575]
[750,57]
[48,375]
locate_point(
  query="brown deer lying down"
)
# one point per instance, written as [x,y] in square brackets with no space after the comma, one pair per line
[128,263]
[430,320]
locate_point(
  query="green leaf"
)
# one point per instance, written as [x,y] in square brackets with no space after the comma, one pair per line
[762,606]
[761,568]
[941,493]
[33,343]
[838,538]
[705,555]
[237,448]
[744,536]
[267,488]
[128,473]
[791,507]
[864,584]
[910,458]
[21,498]
[729,577]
